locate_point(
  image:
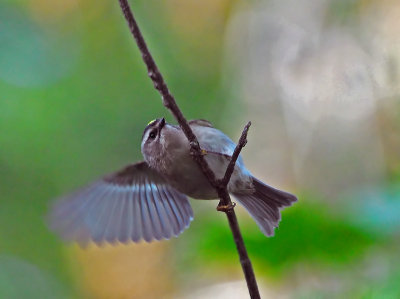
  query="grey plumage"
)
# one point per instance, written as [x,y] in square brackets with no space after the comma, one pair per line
[264,205]
[148,200]
[133,204]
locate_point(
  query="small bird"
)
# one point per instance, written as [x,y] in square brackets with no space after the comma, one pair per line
[149,200]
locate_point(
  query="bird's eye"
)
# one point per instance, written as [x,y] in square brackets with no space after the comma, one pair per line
[152,134]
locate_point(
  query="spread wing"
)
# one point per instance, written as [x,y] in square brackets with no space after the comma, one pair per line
[132,204]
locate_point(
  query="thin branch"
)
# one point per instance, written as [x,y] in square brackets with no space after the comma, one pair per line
[226,206]
[241,144]
[168,99]
[220,185]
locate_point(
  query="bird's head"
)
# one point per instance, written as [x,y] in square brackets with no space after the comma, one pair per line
[154,141]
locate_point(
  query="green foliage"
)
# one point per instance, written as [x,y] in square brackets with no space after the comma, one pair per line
[308,233]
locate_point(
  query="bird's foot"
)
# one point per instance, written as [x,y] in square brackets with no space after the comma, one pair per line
[226,208]
[195,149]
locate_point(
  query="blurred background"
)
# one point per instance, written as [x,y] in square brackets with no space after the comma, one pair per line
[319,79]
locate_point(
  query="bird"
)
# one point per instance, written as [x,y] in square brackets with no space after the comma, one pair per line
[148,200]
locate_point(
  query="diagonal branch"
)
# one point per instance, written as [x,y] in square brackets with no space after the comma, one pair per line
[220,185]
[168,99]
[241,144]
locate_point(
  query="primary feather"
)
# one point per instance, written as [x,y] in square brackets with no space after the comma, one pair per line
[133,204]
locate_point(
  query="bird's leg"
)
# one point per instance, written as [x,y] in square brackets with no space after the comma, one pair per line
[225,208]
[195,149]
[203,152]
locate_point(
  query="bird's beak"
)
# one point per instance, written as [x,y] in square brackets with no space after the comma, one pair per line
[161,123]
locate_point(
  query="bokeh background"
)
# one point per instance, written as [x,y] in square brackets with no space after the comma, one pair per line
[319,79]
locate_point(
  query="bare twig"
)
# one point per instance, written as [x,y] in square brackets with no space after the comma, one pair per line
[220,185]
[225,201]
[241,144]
[168,99]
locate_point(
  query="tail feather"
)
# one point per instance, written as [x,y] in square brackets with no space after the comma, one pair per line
[264,205]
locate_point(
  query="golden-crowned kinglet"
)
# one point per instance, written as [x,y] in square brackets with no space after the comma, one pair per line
[148,200]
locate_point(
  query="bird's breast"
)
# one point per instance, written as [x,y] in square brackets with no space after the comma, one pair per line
[186,176]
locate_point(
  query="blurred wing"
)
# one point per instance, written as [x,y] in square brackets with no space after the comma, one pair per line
[132,204]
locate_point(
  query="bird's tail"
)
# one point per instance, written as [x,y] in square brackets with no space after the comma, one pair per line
[264,205]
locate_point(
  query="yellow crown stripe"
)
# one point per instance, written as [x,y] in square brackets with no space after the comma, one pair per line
[152,121]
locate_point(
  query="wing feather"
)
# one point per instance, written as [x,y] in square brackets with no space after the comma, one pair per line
[169,212]
[116,229]
[132,204]
[164,221]
[136,215]
[114,216]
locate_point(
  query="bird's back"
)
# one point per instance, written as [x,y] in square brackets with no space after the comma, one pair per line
[219,148]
